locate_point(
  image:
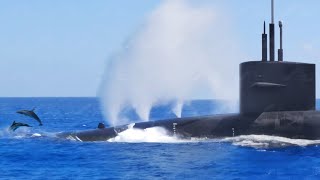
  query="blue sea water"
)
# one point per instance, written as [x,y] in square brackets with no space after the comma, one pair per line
[35,153]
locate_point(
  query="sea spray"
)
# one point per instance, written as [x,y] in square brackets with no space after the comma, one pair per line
[177,109]
[149,135]
[182,52]
[266,141]
[160,135]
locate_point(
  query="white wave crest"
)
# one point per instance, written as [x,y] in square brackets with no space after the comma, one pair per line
[160,135]
[265,141]
[73,138]
[24,132]
[148,135]
[36,135]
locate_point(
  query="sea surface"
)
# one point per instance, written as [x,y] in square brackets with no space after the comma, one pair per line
[36,153]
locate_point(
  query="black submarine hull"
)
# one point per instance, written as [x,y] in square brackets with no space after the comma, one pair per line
[290,124]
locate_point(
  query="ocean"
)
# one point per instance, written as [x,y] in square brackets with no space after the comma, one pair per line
[36,153]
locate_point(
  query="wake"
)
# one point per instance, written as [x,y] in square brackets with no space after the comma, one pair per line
[266,141]
[160,135]
[23,133]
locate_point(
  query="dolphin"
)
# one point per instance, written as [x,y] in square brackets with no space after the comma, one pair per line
[31,114]
[15,125]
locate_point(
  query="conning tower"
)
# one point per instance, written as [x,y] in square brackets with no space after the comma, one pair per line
[276,85]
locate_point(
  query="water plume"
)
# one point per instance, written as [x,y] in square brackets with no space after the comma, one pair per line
[183,51]
[177,109]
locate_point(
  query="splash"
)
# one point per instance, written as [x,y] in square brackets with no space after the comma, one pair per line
[177,110]
[25,132]
[160,135]
[265,141]
[182,52]
[19,133]
[149,135]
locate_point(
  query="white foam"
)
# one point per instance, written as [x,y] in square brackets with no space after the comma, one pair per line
[265,141]
[21,135]
[36,135]
[72,138]
[160,135]
[149,135]
[130,126]
[24,132]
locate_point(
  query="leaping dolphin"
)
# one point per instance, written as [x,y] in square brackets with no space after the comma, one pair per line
[31,114]
[15,125]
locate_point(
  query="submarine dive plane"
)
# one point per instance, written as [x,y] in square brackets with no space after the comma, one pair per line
[276,98]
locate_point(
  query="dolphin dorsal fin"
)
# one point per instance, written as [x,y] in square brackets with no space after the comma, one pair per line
[33,109]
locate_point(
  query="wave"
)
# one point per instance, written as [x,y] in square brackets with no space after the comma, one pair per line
[22,133]
[160,135]
[148,135]
[266,141]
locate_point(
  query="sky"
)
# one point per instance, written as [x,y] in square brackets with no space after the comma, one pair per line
[61,48]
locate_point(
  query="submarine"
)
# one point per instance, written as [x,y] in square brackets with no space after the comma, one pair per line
[277,98]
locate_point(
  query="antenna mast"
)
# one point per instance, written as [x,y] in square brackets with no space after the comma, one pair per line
[264,43]
[272,11]
[280,51]
[271,32]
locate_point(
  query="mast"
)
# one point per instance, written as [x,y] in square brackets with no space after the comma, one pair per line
[264,43]
[280,51]
[271,32]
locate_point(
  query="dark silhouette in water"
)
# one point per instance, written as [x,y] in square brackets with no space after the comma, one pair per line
[15,125]
[31,114]
[101,126]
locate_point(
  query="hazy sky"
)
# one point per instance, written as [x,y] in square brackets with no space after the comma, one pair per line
[60,48]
